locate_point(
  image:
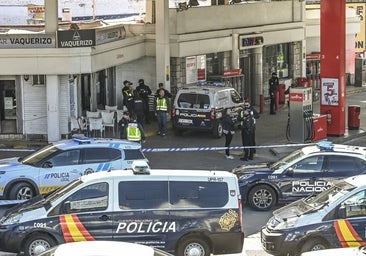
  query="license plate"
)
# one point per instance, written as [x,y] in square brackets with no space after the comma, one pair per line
[185,121]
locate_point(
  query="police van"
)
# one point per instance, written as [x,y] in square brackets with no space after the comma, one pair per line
[200,107]
[335,218]
[178,211]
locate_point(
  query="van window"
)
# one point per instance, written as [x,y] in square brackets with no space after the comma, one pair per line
[100,155]
[235,97]
[222,98]
[90,198]
[193,100]
[200,194]
[143,195]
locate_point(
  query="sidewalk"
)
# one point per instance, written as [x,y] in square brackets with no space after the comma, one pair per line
[271,129]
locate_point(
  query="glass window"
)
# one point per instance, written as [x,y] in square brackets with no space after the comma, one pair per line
[41,154]
[133,154]
[190,194]
[143,195]
[63,158]
[356,205]
[90,198]
[99,155]
[277,59]
[193,100]
[309,164]
[235,97]
[345,165]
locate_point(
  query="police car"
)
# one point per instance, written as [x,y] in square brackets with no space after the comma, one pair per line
[335,218]
[58,163]
[200,106]
[178,211]
[306,171]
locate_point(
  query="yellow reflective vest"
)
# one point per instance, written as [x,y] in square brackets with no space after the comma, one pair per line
[133,132]
[161,104]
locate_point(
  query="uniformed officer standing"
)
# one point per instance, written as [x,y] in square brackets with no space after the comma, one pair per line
[127,92]
[247,131]
[144,91]
[273,86]
[139,109]
[161,107]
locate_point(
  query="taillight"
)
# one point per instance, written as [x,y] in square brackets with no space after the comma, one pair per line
[173,111]
[240,212]
[212,114]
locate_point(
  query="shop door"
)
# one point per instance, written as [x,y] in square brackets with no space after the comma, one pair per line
[8,106]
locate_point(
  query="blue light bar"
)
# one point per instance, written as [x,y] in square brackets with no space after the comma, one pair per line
[81,139]
[211,83]
[325,145]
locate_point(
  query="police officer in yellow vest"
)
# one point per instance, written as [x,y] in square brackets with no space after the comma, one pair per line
[134,131]
[162,107]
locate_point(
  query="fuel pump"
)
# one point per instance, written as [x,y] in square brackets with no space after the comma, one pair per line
[300,126]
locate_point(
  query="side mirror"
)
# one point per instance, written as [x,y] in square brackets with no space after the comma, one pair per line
[342,212]
[47,164]
[290,171]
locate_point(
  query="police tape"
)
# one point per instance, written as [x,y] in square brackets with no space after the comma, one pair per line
[153,150]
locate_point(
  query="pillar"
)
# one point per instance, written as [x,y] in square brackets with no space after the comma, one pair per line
[258,78]
[235,51]
[53,110]
[162,43]
[51,16]
[332,62]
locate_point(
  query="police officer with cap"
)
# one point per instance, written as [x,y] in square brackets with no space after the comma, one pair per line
[144,91]
[273,85]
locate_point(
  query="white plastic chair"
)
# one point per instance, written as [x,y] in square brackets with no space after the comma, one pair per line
[119,115]
[108,120]
[111,108]
[95,114]
[96,124]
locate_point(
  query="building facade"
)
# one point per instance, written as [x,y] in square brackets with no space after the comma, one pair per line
[50,74]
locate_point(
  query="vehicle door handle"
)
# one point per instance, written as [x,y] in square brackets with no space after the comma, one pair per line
[104,217]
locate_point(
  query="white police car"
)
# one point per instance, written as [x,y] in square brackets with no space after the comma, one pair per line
[306,171]
[58,163]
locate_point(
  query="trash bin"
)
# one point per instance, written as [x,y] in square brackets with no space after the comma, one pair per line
[354,117]
[281,92]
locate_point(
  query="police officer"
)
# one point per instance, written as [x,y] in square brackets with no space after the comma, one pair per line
[127,92]
[247,127]
[161,107]
[122,124]
[255,114]
[134,131]
[144,91]
[139,109]
[273,85]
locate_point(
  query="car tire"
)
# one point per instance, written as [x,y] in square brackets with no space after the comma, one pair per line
[314,244]
[217,129]
[262,198]
[193,245]
[38,243]
[21,191]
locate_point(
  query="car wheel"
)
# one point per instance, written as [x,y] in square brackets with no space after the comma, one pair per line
[38,243]
[193,246]
[262,198]
[21,191]
[217,129]
[314,244]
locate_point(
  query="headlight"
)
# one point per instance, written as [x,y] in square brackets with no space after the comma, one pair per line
[246,176]
[13,219]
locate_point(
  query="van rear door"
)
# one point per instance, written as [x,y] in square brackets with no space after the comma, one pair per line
[193,110]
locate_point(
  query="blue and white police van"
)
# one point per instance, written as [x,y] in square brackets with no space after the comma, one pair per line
[179,211]
[59,163]
[306,171]
[335,218]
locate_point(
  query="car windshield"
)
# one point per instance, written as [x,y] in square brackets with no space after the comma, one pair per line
[35,157]
[330,195]
[287,159]
[62,191]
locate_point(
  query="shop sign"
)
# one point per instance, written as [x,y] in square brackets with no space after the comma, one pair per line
[232,72]
[313,56]
[246,42]
[76,38]
[110,35]
[27,41]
